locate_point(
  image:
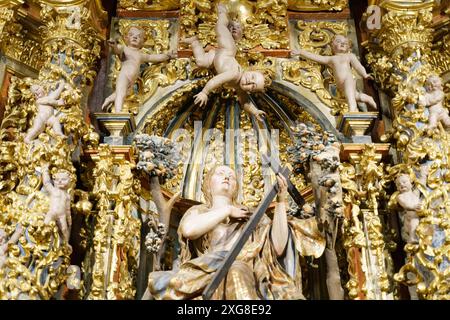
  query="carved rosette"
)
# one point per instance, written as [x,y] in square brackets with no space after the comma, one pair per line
[401,58]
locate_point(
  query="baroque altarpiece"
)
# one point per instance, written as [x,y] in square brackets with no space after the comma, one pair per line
[139,137]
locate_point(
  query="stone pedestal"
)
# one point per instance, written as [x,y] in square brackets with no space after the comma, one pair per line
[117,127]
[357,125]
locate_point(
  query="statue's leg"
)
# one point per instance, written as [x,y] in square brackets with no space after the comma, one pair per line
[432,121]
[202,59]
[36,129]
[122,85]
[49,217]
[350,94]
[56,125]
[366,99]
[62,225]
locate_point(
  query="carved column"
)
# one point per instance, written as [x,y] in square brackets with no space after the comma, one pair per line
[364,235]
[38,254]
[400,56]
[111,264]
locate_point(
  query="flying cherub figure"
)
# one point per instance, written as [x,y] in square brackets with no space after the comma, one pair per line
[132,57]
[228,69]
[341,62]
[59,210]
[45,111]
[434,98]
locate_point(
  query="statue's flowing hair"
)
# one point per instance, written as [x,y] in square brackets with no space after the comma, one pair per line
[206,188]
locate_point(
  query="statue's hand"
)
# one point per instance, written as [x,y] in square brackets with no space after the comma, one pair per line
[282,188]
[239,213]
[369,77]
[221,8]
[201,99]
[260,115]
[112,42]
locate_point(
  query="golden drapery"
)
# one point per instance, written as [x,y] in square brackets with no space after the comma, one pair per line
[257,272]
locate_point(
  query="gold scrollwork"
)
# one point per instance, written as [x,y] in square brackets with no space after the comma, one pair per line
[265,22]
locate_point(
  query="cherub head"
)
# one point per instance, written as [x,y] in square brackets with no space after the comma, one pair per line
[135,37]
[235,28]
[62,179]
[37,90]
[220,181]
[403,183]
[253,80]
[340,44]
[433,83]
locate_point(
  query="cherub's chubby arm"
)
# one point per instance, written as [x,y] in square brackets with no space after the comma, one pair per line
[249,107]
[116,47]
[222,15]
[46,180]
[52,98]
[311,56]
[214,83]
[359,67]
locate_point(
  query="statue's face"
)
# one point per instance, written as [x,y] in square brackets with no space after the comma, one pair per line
[223,182]
[235,28]
[434,83]
[340,44]
[61,180]
[37,90]
[135,38]
[403,183]
[252,81]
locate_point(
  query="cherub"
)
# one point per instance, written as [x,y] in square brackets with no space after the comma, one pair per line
[132,57]
[410,202]
[228,69]
[4,242]
[59,210]
[45,113]
[433,98]
[341,62]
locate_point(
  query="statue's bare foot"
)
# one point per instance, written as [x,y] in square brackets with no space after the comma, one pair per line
[189,40]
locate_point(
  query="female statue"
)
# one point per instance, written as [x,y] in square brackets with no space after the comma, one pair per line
[267,266]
